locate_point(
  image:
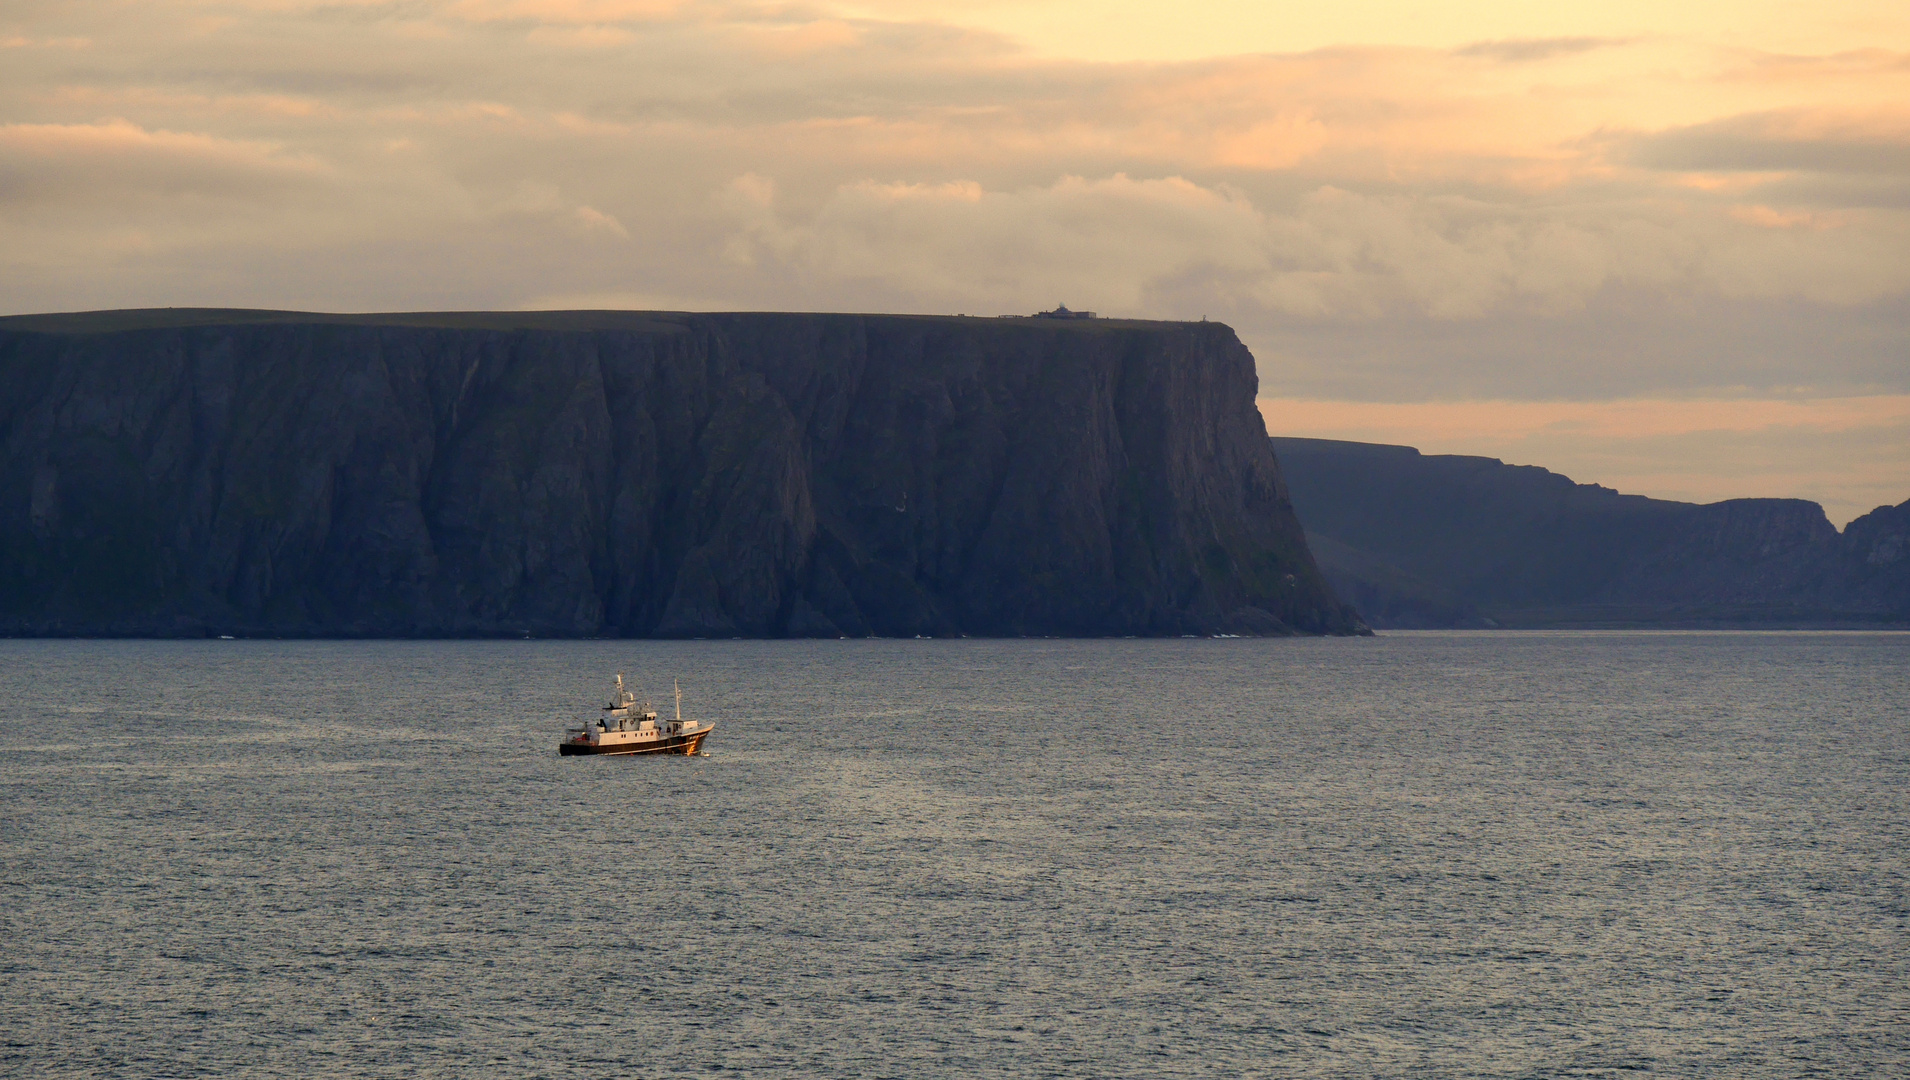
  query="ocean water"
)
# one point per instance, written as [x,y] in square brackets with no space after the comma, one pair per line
[1467,855]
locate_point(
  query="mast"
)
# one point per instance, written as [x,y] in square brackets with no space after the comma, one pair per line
[679,702]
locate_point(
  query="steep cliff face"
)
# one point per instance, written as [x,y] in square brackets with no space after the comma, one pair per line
[1874,560]
[580,473]
[1447,540]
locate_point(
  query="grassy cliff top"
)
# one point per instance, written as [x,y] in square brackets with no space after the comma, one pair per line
[114,321]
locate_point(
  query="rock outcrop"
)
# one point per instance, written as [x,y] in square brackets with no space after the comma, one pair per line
[640,474]
[1418,540]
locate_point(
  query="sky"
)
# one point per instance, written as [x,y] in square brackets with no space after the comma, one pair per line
[1660,246]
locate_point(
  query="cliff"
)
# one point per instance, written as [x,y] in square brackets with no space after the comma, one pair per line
[621,473]
[1426,540]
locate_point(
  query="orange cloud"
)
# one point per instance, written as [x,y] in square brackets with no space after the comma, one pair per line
[18,42]
[123,139]
[588,12]
[158,99]
[1766,217]
[584,36]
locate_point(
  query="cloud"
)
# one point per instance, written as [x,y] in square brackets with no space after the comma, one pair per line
[1561,213]
[592,219]
[584,12]
[1624,342]
[1812,141]
[116,158]
[1148,245]
[16,41]
[1531,50]
[955,239]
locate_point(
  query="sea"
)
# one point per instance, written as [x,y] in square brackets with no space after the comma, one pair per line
[1469,854]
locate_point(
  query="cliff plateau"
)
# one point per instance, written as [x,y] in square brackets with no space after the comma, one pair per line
[184,472]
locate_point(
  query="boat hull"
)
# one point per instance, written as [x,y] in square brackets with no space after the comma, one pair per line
[676,744]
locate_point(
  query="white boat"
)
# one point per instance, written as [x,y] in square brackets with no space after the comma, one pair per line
[628,728]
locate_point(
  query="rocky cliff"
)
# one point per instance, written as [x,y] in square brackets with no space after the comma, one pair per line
[1429,540]
[619,473]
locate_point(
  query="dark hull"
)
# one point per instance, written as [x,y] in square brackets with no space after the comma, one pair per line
[680,744]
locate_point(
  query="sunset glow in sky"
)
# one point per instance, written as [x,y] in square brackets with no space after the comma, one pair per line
[1664,247]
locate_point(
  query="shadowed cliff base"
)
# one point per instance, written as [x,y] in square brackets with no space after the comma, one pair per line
[1435,540]
[185,472]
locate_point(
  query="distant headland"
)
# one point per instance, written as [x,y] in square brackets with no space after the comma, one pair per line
[1440,540]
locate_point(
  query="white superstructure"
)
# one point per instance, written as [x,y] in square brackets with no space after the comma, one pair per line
[629,728]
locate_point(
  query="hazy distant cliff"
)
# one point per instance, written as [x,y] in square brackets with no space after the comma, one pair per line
[578,473]
[1417,539]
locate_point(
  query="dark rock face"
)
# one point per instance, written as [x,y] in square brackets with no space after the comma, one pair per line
[618,473]
[1440,540]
